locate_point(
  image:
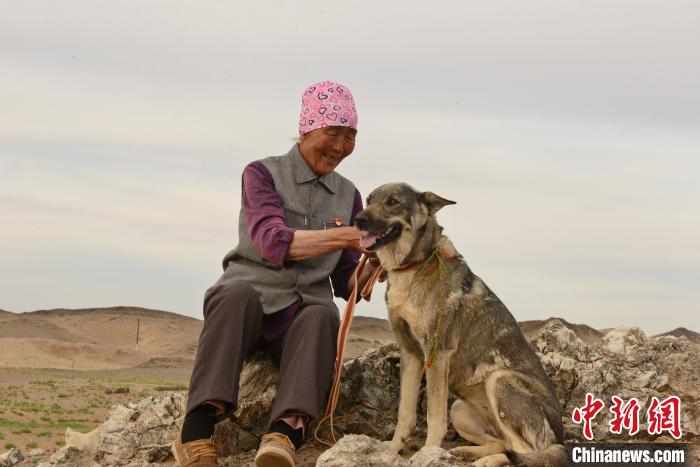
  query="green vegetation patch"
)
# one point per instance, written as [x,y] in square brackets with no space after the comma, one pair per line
[11,424]
[172,387]
[49,382]
[28,407]
[77,425]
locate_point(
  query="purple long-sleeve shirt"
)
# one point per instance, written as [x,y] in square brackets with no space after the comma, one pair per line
[264,215]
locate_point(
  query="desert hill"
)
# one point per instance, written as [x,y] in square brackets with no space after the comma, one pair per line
[586,333]
[678,332]
[6,314]
[95,338]
[39,329]
[367,332]
[121,310]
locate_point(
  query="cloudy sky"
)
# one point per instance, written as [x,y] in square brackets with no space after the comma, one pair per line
[568,132]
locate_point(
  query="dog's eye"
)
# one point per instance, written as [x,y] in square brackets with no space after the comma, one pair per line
[391,202]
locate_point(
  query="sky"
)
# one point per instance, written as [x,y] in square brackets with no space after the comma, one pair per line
[568,133]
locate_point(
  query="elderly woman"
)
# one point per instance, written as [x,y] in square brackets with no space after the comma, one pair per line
[295,240]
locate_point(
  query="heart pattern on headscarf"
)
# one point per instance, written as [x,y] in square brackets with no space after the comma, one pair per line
[316,104]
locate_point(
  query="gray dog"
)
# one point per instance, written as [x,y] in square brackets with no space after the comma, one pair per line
[452,326]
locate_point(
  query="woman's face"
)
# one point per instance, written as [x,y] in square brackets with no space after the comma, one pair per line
[324,148]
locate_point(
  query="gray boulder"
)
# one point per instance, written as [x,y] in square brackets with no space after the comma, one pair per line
[433,456]
[141,432]
[360,451]
[11,457]
[69,456]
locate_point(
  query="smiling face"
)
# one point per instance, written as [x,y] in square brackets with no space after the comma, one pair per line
[324,148]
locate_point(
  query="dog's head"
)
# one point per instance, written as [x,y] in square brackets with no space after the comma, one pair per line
[396,211]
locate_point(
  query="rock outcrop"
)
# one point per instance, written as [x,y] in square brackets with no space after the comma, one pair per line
[363,451]
[627,364]
[360,451]
[11,457]
[433,456]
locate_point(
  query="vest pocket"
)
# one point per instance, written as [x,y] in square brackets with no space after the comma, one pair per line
[334,222]
[295,218]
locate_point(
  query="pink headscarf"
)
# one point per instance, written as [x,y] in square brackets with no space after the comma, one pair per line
[327,104]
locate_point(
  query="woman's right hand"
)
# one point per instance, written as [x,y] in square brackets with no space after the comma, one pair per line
[351,236]
[310,243]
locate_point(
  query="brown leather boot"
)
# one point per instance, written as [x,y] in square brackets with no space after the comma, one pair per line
[197,453]
[276,450]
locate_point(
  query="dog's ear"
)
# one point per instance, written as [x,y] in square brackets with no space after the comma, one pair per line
[434,202]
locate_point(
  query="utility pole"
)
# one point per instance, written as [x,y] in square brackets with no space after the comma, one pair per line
[138,328]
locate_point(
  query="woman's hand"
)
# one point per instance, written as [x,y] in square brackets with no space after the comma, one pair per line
[351,235]
[370,266]
[374,263]
[310,243]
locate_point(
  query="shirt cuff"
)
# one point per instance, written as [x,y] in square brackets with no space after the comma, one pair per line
[282,239]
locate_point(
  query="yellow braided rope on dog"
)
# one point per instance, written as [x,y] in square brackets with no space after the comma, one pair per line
[427,275]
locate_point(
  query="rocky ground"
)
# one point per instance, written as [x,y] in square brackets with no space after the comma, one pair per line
[624,362]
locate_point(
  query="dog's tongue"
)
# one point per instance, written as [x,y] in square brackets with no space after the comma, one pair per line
[368,240]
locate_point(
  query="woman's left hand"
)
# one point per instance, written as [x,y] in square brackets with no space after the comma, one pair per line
[374,263]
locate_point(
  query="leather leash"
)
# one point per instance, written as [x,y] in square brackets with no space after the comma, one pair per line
[343,332]
[366,293]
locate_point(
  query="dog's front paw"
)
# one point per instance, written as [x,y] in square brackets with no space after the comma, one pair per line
[394,444]
[491,461]
[464,453]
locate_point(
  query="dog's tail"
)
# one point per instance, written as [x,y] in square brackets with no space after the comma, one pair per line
[553,456]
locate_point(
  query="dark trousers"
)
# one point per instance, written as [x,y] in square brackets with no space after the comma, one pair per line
[232,329]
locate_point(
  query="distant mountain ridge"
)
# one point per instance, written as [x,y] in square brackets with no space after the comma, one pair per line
[584,332]
[123,310]
[678,332]
[95,338]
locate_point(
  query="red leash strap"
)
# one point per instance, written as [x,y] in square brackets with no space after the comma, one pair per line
[343,332]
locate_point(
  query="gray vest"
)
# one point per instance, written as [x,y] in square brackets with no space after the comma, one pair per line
[310,203]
